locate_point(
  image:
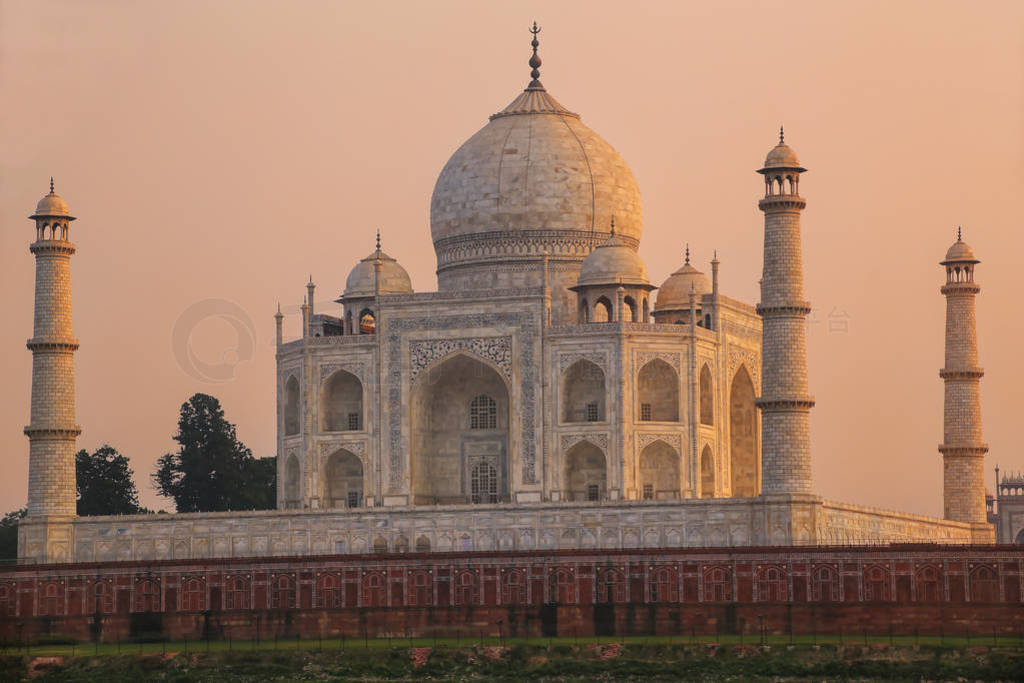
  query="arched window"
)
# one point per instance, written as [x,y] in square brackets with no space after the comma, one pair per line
[663,585]
[380,545]
[513,589]
[1020,537]
[585,472]
[876,584]
[484,483]
[465,588]
[583,392]
[707,473]
[743,436]
[291,406]
[984,584]
[659,471]
[343,480]
[282,593]
[367,322]
[421,592]
[602,310]
[103,598]
[629,310]
[147,596]
[717,585]
[236,593]
[329,591]
[193,596]
[658,392]
[611,586]
[422,544]
[584,313]
[707,397]
[771,585]
[483,413]
[374,594]
[341,403]
[928,584]
[291,481]
[824,585]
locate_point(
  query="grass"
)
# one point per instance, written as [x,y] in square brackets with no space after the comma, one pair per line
[285,644]
[563,659]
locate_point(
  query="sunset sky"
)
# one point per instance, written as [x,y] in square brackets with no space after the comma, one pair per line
[227,151]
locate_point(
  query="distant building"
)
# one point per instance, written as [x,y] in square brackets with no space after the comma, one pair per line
[1006,508]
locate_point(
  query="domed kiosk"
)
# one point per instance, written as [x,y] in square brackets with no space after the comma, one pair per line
[533,182]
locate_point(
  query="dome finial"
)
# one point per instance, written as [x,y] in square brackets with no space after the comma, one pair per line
[51,184]
[613,226]
[959,237]
[378,239]
[535,62]
[687,254]
[782,135]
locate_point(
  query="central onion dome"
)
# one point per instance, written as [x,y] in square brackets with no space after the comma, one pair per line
[533,182]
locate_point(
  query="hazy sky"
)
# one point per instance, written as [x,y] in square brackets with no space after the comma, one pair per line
[228,150]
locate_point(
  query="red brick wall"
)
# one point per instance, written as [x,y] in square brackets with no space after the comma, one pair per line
[565,592]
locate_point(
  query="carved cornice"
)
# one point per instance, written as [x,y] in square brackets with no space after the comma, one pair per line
[498,350]
[961,373]
[52,344]
[785,405]
[357,448]
[52,248]
[963,450]
[782,203]
[353,368]
[795,308]
[520,244]
[600,359]
[645,439]
[642,358]
[52,432]
[748,358]
[599,439]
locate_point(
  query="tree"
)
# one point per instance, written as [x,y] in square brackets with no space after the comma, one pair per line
[9,534]
[212,469]
[105,485]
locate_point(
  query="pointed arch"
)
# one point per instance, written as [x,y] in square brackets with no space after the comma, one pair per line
[707,473]
[659,471]
[658,392]
[291,406]
[291,481]
[743,437]
[341,403]
[459,411]
[583,317]
[583,392]
[367,321]
[585,475]
[707,397]
[343,480]
[602,311]
[630,311]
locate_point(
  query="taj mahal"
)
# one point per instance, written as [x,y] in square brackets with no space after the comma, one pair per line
[547,396]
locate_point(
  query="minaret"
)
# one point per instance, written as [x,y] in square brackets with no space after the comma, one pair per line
[785,404]
[963,491]
[46,535]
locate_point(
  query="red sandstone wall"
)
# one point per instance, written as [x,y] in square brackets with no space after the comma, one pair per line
[558,593]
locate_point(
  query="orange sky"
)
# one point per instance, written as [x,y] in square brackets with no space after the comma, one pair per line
[227,150]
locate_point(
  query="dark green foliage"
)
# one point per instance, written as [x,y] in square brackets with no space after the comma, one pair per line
[104,483]
[9,534]
[212,469]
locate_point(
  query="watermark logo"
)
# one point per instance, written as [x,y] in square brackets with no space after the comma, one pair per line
[240,350]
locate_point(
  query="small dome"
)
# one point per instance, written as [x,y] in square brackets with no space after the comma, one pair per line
[361,280]
[960,251]
[674,293]
[781,156]
[52,205]
[613,262]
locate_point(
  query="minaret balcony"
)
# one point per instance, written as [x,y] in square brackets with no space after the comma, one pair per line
[782,202]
